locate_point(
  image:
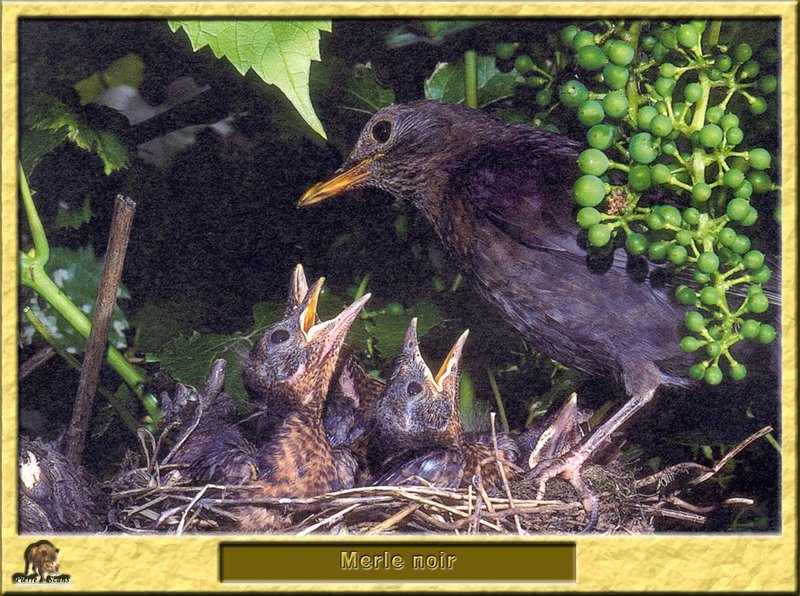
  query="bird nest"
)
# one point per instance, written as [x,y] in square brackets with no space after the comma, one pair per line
[151,498]
[154,498]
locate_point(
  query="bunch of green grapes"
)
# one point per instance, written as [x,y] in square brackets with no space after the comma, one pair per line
[657,103]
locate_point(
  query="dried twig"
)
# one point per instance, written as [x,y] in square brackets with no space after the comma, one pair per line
[121,222]
[506,487]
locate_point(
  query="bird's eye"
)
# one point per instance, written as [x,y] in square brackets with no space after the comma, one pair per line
[381,131]
[413,388]
[279,336]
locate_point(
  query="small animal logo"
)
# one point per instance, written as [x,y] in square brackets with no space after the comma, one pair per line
[41,565]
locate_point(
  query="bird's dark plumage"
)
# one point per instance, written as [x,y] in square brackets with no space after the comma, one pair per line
[498,196]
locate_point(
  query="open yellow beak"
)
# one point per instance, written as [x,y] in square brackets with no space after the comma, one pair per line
[336,185]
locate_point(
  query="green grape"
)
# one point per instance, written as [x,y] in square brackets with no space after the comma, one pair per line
[661,126]
[697,372]
[734,135]
[599,234]
[694,321]
[677,255]
[688,36]
[733,178]
[760,158]
[700,277]
[714,114]
[593,161]
[716,332]
[544,97]
[535,81]
[750,218]
[741,245]
[767,84]
[683,237]
[667,70]
[692,92]
[723,62]
[573,93]
[758,303]
[750,328]
[655,221]
[727,236]
[591,112]
[737,209]
[523,64]
[636,244]
[711,135]
[568,34]
[615,104]
[505,50]
[645,116]
[701,192]
[753,259]
[744,191]
[713,375]
[591,57]
[620,53]
[714,349]
[660,52]
[742,52]
[615,77]
[669,39]
[587,217]
[690,344]
[749,70]
[761,275]
[738,371]
[685,294]
[664,86]
[728,121]
[699,25]
[581,39]
[641,148]
[589,190]
[669,148]
[760,181]
[692,216]
[670,214]
[740,163]
[657,251]
[767,333]
[600,136]
[758,105]
[709,296]
[755,289]
[708,262]
[648,43]
[639,178]
[660,173]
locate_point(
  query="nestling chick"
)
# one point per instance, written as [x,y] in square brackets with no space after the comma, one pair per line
[418,413]
[293,364]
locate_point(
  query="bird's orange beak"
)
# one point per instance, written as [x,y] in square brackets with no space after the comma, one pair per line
[336,185]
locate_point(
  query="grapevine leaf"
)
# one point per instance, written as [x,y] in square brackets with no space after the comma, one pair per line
[366,88]
[280,52]
[48,114]
[447,82]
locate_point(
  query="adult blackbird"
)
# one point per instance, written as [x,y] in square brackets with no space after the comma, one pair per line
[499,198]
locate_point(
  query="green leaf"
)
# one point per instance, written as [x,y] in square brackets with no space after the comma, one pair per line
[366,88]
[35,144]
[77,273]
[427,32]
[74,219]
[447,82]
[280,52]
[389,330]
[50,115]
[188,359]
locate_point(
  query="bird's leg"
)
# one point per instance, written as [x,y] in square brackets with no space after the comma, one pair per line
[642,389]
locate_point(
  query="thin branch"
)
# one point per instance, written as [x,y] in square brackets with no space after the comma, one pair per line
[124,209]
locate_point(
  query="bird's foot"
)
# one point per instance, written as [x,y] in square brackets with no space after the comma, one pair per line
[567,466]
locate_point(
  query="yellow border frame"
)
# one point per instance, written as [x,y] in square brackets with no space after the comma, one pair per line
[675,563]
